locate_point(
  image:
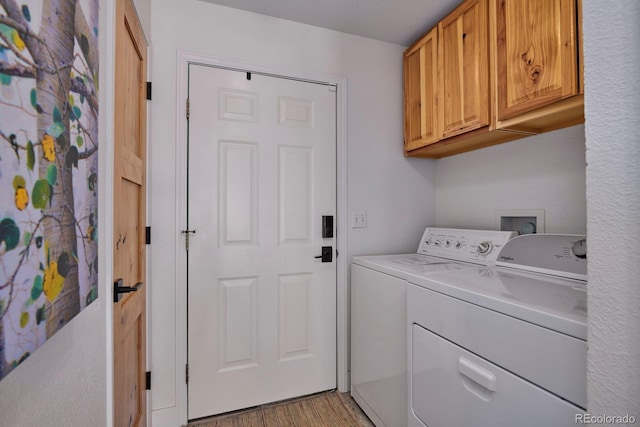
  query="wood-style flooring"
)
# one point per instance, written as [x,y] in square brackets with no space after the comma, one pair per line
[329,409]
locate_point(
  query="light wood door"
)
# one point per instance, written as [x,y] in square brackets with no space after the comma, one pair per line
[463,65]
[536,54]
[262,308]
[420,85]
[129,316]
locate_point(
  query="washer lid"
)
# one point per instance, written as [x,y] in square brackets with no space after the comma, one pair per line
[401,265]
[562,255]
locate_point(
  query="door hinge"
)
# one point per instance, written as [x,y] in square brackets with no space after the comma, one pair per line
[187,234]
[148,380]
[147,235]
[186,373]
[188,108]
[149,91]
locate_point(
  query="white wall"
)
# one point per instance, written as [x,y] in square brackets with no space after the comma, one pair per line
[65,381]
[397,193]
[612,106]
[143,7]
[545,171]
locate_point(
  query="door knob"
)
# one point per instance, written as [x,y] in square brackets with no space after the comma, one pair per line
[118,289]
[327,254]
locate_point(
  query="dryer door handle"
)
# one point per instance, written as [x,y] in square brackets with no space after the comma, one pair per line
[477,374]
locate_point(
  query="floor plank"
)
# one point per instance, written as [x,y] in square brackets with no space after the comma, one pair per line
[329,409]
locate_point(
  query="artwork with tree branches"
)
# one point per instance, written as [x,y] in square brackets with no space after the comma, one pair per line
[48,170]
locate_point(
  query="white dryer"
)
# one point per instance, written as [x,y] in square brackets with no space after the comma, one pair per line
[504,345]
[378,313]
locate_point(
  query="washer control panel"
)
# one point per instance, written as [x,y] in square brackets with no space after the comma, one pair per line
[477,246]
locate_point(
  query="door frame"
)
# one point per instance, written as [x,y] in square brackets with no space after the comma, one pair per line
[184,58]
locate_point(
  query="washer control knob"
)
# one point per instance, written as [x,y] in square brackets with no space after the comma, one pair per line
[447,243]
[437,243]
[458,245]
[579,248]
[485,247]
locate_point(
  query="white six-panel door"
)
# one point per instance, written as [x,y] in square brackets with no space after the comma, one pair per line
[261,307]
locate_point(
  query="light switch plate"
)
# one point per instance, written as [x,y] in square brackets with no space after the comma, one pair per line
[358,219]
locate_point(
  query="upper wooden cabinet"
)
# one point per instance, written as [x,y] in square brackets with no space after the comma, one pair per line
[463,69]
[505,69]
[420,77]
[536,54]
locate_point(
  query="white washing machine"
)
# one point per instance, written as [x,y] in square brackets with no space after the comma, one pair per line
[378,313]
[501,346]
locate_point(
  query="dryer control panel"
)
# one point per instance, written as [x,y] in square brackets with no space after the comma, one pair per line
[476,246]
[563,255]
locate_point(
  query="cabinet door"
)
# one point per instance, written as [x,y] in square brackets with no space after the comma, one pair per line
[464,69]
[536,54]
[420,82]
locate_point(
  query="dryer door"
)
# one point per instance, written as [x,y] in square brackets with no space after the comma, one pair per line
[453,387]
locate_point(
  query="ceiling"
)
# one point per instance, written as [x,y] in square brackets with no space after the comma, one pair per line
[394,21]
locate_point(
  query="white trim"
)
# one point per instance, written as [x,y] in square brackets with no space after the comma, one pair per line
[182,91]
[184,58]
[105,194]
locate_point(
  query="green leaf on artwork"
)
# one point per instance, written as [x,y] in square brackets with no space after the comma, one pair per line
[34,98]
[92,181]
[72,101]
[31,156]
[36,290]
[55,129]
[5,80]
[24,319]
[2,306]
[18,181]
[79,141]
[92,295]
[72,157]
[57,116]
[52,174]
[64,264]
[62,142]
[77,112]
[26,13]
[40,315]
[23,357]
[40,194]
[26,238]
[84,45]
[6,30]
[9,233]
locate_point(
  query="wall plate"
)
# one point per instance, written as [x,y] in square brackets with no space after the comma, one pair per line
[524,221]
